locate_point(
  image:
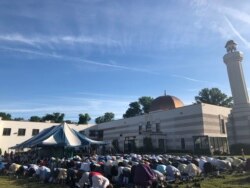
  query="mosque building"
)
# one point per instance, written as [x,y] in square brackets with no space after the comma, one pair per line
[169,126]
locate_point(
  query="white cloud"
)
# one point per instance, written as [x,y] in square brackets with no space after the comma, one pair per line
[237,14]
[189,79]
[98,40]
[236,32]
[76,59]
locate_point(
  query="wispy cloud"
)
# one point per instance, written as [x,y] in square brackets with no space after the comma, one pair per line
[236,32]
[213,84]
[98,40]
[238,14]
[32,52]
[189,79]
[76,59]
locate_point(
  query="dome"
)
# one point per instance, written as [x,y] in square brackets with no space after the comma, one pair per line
[165,102]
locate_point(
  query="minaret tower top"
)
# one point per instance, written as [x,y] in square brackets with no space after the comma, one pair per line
[231,46]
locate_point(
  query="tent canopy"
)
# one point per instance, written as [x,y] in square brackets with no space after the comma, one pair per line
[61,135]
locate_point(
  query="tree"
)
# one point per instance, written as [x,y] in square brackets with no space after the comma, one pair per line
[145,102]
[84,118]
[99,120]
[214,96]
[107,117]
[18,119]
[139,107]
[69,122]
[55,117]
[133,110]
[5,116]
[35,119]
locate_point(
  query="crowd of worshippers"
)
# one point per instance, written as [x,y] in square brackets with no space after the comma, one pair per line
[127,170]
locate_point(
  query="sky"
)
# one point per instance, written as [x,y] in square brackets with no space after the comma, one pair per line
[97,56]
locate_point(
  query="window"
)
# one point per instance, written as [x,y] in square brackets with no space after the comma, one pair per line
[100,134]
[182,143]
[157,127]
[148,126]
[222,126]
[21,132]
[161,144]
[35,132]
[140,129]
[6,131]
[92,133]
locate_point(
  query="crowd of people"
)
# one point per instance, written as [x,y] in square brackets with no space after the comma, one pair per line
[126,170]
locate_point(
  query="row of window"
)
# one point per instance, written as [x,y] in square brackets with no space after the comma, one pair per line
[21,132]
[148,127]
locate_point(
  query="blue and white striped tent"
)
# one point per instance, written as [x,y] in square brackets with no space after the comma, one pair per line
[61,135]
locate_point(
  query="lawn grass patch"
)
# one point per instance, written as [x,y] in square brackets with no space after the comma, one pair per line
[11,182]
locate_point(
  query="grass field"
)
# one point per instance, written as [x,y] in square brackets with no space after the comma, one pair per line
[228,181]
[7,182]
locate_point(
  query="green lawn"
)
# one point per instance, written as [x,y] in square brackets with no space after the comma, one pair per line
[6,182]
[227,181]
[224,181]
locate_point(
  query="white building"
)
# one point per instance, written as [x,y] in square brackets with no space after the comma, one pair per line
[15,132]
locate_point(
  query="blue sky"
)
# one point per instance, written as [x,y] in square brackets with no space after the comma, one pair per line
[97,56]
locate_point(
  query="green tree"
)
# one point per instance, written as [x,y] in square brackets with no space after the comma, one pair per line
[99,120]
[108,116]
[84,118]
[18,119]
[55,117]
[133,110]
[214,96]
[5,116]
[70,121]
[35,119]
[145,102]
[139,107]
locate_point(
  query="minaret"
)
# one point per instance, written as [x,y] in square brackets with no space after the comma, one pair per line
[233,60]
[238,128]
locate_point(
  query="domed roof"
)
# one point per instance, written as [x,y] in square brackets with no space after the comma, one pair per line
[165,102]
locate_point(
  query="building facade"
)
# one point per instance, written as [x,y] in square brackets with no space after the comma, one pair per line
[199,127]
[16,132]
